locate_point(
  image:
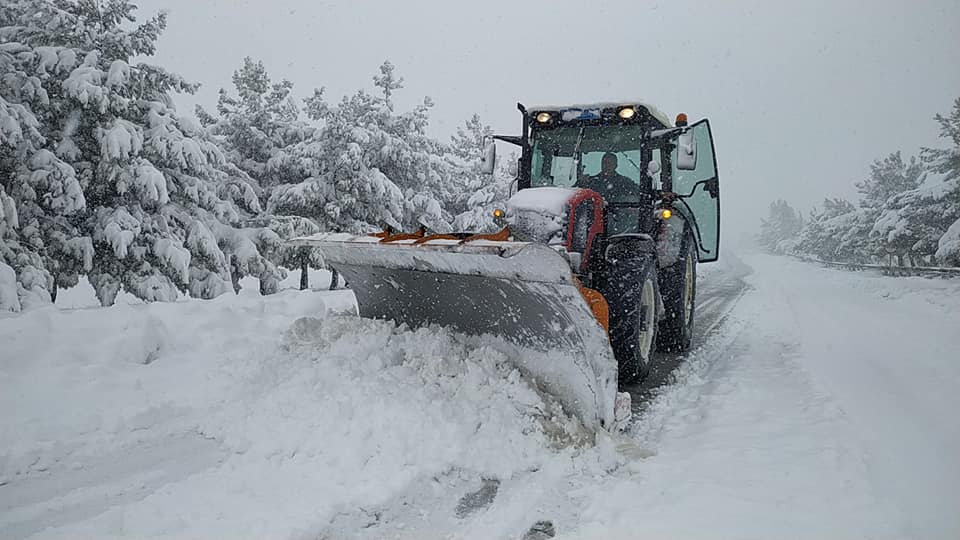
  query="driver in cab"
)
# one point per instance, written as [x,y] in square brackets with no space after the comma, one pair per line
[608,182]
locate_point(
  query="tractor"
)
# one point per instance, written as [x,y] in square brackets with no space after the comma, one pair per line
[594,265]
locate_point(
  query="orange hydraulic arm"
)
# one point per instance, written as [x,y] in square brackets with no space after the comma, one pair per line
[598,305]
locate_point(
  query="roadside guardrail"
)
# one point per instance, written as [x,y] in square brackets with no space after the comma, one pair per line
[928,271]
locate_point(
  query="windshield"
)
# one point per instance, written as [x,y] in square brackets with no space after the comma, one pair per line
[575,156]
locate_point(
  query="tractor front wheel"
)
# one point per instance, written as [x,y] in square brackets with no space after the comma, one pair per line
[633,296]
[678,283]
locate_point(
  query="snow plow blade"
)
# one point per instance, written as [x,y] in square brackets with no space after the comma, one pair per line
[520,292]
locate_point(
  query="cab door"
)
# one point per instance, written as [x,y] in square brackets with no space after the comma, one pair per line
[697,185]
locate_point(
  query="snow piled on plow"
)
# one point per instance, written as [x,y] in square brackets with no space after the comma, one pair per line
[262,416]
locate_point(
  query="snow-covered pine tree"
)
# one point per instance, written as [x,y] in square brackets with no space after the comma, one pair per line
[946,162]
[467,142]
[465,150]
[41,199]
[412,159]
[811,239]
[483,193]
[258,126]
[888,177]
[296,257]
[367,166]
[911,223]
[782,223]
[121,176]
[882,193]
[837,232]
[849,233]
[342,191]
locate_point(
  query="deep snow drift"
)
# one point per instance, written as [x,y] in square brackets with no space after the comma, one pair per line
[277,414]
[820,407]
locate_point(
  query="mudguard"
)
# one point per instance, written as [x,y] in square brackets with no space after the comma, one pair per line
[521,292]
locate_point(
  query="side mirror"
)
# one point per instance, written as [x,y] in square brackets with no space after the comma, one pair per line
[686,151]
[653,168]
[489,160]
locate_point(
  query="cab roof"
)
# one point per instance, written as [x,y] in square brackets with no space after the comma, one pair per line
[654,112]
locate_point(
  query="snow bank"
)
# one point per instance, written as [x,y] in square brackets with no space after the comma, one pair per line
[9,299]
[83,296]
[822,406]
[295,415]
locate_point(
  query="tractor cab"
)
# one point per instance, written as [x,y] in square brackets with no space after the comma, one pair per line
[645,169]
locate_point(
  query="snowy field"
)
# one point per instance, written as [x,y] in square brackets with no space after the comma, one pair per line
[822,406]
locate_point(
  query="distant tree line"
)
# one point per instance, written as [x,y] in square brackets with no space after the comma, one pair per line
[101,177]
[908,212]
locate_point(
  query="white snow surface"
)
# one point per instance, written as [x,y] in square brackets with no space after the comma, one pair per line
[822,409]
[9,299]
[282,414]
[523,260]
[549,200]
[84,296]
[538,214]
[821,406]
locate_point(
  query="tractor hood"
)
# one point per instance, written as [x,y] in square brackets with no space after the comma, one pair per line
[539,215]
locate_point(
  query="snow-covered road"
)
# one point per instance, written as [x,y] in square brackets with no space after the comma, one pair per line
[889,358]
[817,404]
[720,288]
[825,410]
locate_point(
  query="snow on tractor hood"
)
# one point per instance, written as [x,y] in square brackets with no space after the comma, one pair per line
[538,214]
[546,200]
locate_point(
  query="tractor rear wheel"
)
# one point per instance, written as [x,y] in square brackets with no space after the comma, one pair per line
[678,283]
[633,296]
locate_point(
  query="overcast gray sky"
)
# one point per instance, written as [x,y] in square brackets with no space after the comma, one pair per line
[802,96]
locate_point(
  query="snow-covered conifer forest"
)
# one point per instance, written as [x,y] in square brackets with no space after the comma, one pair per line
[101,176]
[908,212]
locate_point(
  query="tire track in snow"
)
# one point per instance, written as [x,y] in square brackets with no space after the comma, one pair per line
[717,296]
[73,490]
[428,508]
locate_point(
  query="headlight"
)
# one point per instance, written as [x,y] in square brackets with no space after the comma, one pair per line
[627,113]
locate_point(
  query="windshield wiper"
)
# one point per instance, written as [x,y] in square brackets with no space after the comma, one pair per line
[575,166]
[635,166]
